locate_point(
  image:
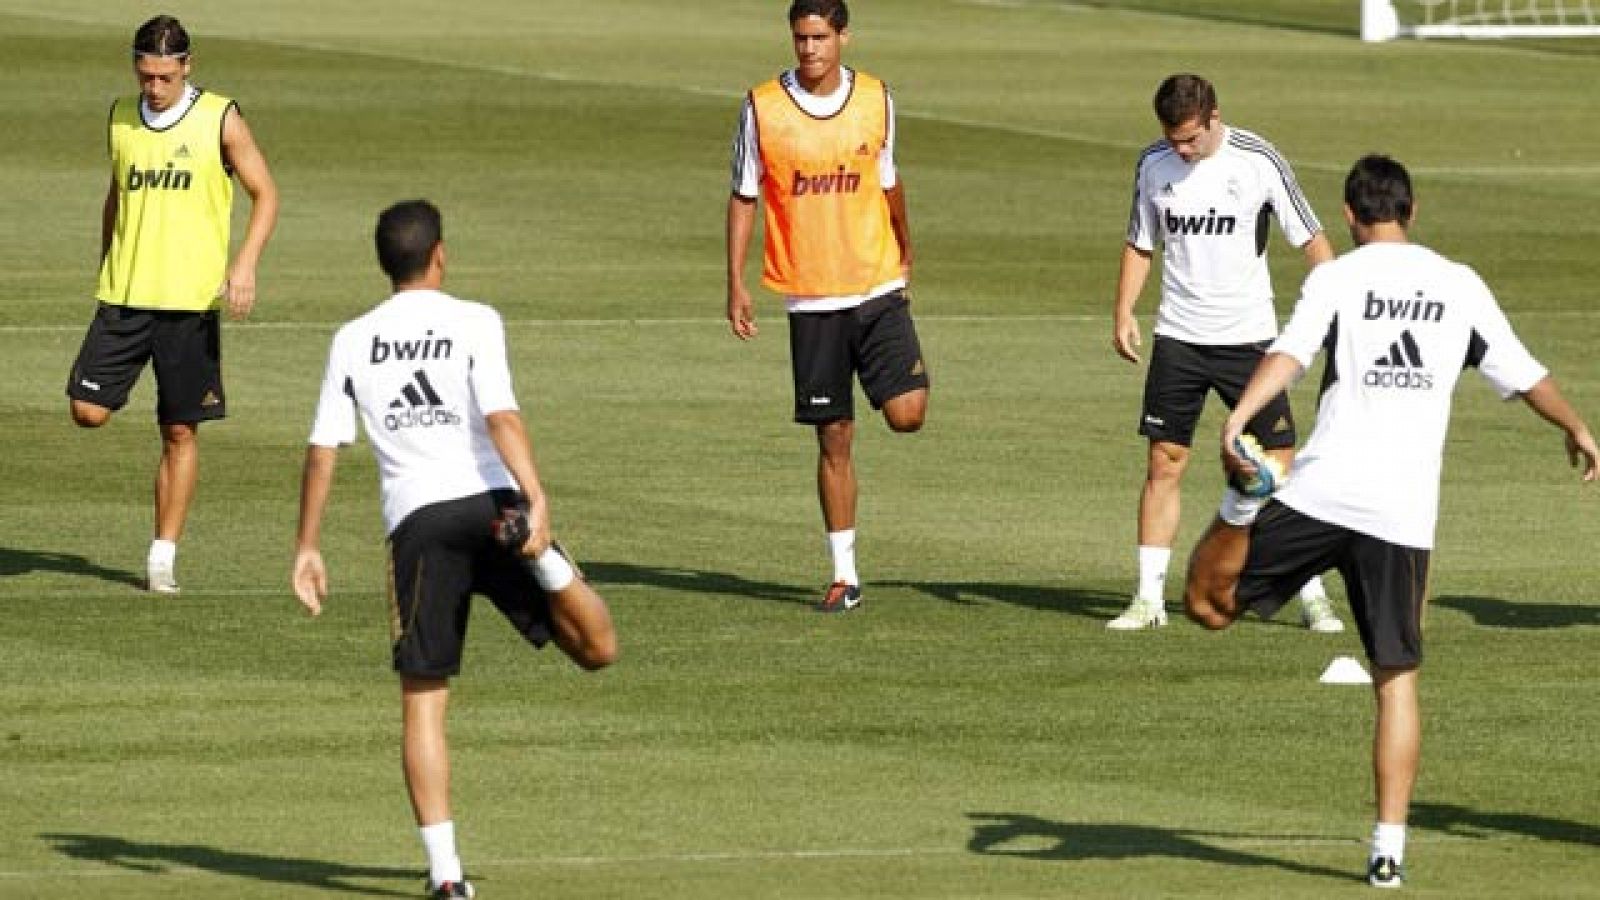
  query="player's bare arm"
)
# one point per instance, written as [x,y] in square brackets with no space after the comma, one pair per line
[108,218]
[1131,276]
[1276,373]
[310,577]
[741,224]
[1546,399]
[510,439]
[1318,250]
[239,145]
[901,223]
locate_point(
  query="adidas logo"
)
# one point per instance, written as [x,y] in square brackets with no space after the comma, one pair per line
[418,406]
[182,152]
[1401,367]
[863,150]
[210,399]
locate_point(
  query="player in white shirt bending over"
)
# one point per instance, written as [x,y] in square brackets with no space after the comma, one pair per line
[1207,193]
[1363,496]
[426,376]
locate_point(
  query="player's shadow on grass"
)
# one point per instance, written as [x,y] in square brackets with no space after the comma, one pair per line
[15,561]
[1031,837]
[1492,612]
[1461,822]
[157,859]
[694,581]
[1090,604]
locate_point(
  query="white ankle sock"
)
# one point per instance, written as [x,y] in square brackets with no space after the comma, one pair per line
[440,842]
[1313,589]
[1237,509]
[1153,562]
[1389,840]
[162,553]
[842,544]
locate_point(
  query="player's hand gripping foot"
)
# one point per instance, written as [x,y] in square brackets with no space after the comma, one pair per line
[1267,474]
[841,596]
[1141,613]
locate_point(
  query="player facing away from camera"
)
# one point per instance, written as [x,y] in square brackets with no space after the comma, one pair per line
[818,143]
[1207,193]
[1400,323]
[426,376]
[164,268]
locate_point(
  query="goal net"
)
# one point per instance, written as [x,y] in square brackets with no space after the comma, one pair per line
[1385,20]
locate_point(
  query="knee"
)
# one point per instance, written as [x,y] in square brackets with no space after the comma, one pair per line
[179,435]
[597,654]
[88,415]
[1167,463]
[834,439]
[905,423]
[1204,609]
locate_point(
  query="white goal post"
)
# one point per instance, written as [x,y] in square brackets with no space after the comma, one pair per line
[1385,20]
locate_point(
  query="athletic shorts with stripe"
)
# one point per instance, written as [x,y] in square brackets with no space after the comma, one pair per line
[184,349]
[1387,583]
[876,339]
[440,556]
[1182,373]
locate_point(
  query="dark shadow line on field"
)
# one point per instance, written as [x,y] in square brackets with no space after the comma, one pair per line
[1459,821]
[1076,601]
[156,859]
[695,581]
[1493,612]
[1046,839]
[15,561]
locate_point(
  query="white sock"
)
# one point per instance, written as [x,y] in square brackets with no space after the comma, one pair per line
[162,553]
[842,544]
[1313,589]
[1389,840]
[553,571]
[440,842]
[1153,562]
[1237,509]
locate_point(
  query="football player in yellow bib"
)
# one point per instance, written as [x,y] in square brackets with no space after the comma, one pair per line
[165,271]
[817,145]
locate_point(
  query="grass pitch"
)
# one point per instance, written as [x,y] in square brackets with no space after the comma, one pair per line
[974,732]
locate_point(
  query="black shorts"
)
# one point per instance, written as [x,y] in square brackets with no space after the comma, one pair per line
[184,348]
[876,339]
[440,556]
[1180,375]
[1387,583]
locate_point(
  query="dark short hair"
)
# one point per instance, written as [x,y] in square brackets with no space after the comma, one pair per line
[837,14]
[406,235]
[161,36]
[1183,97]
[1378,189]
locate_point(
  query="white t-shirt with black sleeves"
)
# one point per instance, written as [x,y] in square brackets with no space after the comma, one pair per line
[420,371]
[1211,217]
[1402,322]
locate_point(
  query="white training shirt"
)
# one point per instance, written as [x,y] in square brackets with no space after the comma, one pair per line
[1402,321]
[421,370]
[1211,217]
[747,169]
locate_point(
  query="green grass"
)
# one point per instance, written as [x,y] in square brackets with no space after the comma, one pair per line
[974,732]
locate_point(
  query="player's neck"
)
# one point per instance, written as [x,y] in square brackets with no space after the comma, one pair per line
[1380,233]
[823,86]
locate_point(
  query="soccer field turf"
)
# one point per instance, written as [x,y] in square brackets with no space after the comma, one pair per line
[974,731]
